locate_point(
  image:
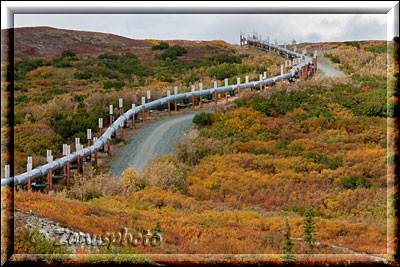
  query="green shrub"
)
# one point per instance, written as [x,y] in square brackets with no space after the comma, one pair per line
[353,182]
[116,85]
[161,46]
[333,58]
[77,125]
[55,92]
[332,163]
[222,71]
[22,99]
[300,209]
[379,49]
[172,53]
[22,67]
[67,53]
[259,151]
[354,44]
[190,79]
[82,75]
[203,118]
[92,195]
[225,58]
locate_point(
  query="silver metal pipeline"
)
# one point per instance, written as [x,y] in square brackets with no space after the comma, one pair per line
[102,141]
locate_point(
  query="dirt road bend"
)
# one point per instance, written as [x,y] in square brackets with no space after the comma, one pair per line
[156,138]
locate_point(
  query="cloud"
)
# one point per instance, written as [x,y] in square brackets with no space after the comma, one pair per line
[307,27]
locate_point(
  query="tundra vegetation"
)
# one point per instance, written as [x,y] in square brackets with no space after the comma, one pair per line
[305,160]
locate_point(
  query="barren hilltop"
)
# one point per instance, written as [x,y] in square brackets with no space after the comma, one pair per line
[45,42]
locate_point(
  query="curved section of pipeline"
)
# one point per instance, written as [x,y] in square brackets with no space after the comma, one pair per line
[102,141]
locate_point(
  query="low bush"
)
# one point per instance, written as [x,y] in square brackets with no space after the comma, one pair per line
[353,182]
[203,118]
[161,46]
[332,163]
[334,59]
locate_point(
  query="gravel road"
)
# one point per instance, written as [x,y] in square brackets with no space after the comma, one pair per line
[156,138]
[327,68]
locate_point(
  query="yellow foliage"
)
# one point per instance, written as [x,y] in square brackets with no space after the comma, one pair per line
[244,120]
[128,178]
[159,84]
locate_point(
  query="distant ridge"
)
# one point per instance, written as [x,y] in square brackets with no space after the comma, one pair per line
[45,42]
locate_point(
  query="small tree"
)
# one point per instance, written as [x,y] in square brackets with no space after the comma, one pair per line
[309,228]
[287,247]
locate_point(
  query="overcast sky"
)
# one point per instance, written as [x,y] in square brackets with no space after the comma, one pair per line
[284,28]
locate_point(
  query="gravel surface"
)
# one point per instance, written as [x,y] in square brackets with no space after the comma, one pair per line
[156,138]
[328,69]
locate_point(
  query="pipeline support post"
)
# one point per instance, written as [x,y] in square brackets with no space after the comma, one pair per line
[112,116]
[67,153]
[201,98]
[108,145]
[238,86]
[50,173]
[95,158]
[29,170]
[95,143]
[148,100]
[143,107]
[133,116]
[121,126]
[50,178]
[169,102]
[226,93]
[215,92]
[193,89]
[121,107]
[101,126]
[175,93]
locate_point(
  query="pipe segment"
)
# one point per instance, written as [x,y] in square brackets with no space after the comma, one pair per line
[102,141]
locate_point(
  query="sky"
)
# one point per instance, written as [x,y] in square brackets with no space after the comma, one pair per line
[283,27]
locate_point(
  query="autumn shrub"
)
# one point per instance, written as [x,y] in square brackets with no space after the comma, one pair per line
[36,139]
[93,186]
[211,146]
[185,151]
[164,172]
[129,179]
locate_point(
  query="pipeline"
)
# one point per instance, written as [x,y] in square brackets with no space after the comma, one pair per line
[102,141]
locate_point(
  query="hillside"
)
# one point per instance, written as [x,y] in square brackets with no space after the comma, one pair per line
[316,148]
[50,92]
[46,42]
